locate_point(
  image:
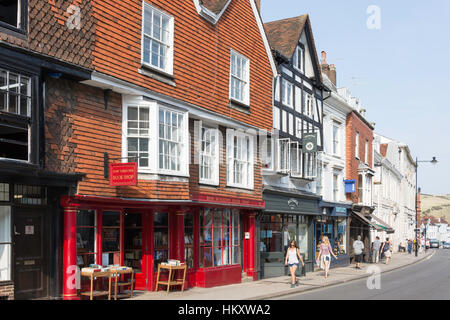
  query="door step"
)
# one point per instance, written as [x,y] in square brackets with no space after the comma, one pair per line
[246,278]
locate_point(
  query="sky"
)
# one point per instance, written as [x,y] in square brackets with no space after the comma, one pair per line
[396,60]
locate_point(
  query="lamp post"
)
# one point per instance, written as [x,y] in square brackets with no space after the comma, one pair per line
[434,161]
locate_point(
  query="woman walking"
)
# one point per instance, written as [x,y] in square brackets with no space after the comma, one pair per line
[292,259]
[386,249]
[325,255]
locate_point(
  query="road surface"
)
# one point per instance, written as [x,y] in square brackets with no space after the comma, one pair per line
[428,279]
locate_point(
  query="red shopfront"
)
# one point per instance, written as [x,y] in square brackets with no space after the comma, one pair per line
[217,240]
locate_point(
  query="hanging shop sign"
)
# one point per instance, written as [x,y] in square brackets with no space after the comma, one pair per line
[123,174]
[309,142]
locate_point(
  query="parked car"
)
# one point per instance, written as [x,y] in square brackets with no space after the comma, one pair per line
[434,244]
[446,245]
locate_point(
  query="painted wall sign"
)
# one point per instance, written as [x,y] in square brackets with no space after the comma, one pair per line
[123,174]
[309,142]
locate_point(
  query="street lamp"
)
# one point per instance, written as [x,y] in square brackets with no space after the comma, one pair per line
[434,161]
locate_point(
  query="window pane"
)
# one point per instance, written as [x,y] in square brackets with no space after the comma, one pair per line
[86,218]
[146,50]
[5,224]
[5,262]
[218,257]
[111,219]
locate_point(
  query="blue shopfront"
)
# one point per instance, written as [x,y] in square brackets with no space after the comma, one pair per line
[333,223]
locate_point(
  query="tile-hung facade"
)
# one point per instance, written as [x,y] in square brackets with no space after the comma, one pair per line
[290,167]
[32,60]
[180,87]
[331,169]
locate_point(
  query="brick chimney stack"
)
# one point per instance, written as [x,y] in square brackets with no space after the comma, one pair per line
[332,75]
[324,65]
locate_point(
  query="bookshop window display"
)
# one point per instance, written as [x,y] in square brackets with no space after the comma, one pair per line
[219,238]
[86,238]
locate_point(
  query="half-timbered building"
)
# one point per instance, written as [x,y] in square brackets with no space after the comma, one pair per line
[290,166]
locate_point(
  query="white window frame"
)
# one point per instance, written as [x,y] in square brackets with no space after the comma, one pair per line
[244,79]
[300,68]
[285,155]
[366,152]
[357,145]
[153,160]
[169,43]
[336,138]
[6,242]
[246,160]
[309,105]
[265,154]
[295,160]
[336,187]
[287,93]
[310,159]
[212,153]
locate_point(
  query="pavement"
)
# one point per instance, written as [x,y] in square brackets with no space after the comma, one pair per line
[280,286]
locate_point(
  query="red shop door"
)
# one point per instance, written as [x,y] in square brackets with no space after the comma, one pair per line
[135,247]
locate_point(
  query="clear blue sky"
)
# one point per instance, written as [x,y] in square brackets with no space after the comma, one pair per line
[401,72]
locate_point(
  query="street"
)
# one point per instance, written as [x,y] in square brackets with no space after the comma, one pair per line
[429,279]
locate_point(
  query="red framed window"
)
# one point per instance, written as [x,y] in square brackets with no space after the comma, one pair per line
[189,240]
[111,243]
[219,238]
[86,238]
[161,238]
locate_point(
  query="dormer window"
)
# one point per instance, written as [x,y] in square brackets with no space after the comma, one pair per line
[157,43]
[299,59]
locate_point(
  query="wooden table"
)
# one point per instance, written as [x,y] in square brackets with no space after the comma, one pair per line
[170,280]
[116,275]
[95,293]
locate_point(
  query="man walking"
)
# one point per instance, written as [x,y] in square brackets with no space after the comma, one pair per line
[358,247]
[376,250]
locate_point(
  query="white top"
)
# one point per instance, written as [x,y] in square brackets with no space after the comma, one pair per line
[292,256]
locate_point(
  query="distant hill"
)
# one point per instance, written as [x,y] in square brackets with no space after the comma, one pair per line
[437,206]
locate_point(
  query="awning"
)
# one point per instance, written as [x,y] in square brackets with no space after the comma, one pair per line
[367,221]
[383,225]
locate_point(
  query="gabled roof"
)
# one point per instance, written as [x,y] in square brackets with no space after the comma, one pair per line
[284,35]
[215,6]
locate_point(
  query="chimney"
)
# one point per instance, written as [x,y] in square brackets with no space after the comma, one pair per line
[323,64]
[332,75]
[258,5]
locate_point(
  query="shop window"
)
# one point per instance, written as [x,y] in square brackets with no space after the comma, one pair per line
[30,195]
[303,236]
[5,243]
[271,233]
[4,192]
[86,238]
[219,238]
[110,238]
[189,240]
[133,241]
[341,239]
[161,241]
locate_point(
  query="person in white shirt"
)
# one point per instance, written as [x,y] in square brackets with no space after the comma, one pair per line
[358,247]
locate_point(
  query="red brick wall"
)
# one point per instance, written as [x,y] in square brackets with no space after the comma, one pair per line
[355,124]
[78,132]
[201,54]
[49,35]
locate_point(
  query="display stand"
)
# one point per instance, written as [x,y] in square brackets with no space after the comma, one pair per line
[94,276]
[116,274]
[170,280]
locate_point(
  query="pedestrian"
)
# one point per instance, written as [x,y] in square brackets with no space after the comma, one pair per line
[358,247]
[386,248]
[325,254]
[376,250]
[410,246]
[292,259]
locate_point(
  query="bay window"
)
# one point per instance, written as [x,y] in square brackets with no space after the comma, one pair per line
[150,126]
[296,159]
[284,151]
[157,39]
[310,165]
[267,152]
[287,92]
[209,156]
[240,159]
[239,78]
